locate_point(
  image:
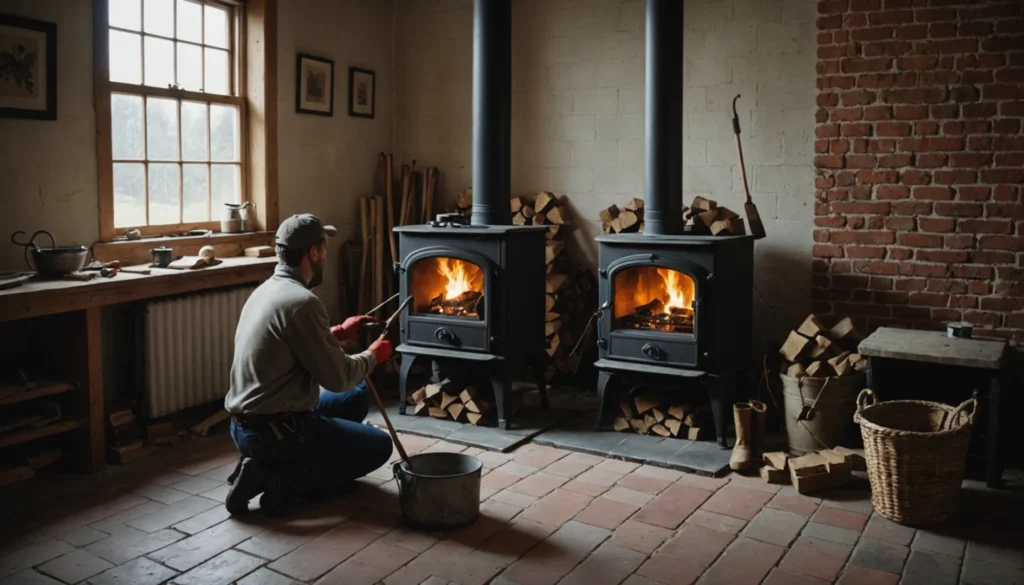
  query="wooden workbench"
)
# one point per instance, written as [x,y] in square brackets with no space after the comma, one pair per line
[70,311]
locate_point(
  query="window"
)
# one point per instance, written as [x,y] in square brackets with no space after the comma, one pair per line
[176,101]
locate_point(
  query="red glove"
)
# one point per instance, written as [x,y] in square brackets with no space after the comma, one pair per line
[381,349]
[350,328]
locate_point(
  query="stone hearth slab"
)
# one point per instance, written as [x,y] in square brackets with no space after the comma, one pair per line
[699,457]
[525,426]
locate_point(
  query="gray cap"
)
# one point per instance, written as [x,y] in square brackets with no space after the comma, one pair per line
[302,231]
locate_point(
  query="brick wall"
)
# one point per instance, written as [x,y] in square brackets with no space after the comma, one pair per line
[920,161]
[578,103]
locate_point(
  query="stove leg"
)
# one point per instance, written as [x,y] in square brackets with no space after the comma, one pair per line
[718,391]
[604,377]
[403,380]
[542,384]
[502,392]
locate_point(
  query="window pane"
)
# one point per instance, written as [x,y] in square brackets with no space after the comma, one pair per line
[216,26]
[194,192]
[190,21]
[226,187]
[223,133]
[162,129]
[125,57]
[126,129]
[159,62]
[159,16]
[217,78]
[163,194]
[125,14]
[193,131]
[129,194]
[190,67]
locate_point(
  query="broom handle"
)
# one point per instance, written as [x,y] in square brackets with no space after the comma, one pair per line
[387,421]
[743,170]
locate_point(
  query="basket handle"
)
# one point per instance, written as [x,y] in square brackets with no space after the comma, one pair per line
[863,399]
[971,402]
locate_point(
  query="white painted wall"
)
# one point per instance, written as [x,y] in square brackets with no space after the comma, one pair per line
[578,103]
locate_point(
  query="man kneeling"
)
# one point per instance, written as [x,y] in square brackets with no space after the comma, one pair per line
[296,399]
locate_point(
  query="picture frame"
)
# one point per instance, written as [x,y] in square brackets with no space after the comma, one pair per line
[362,93]
[28,68]
[314,85]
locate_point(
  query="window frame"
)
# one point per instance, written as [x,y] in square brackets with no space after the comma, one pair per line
[104,88]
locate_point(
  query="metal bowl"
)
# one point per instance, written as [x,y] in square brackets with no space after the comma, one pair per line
[57,262]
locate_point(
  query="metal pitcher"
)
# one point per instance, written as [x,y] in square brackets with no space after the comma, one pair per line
[238,217]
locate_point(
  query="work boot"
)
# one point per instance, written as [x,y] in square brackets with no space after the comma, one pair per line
[742,453]
[758,423]
[248,480]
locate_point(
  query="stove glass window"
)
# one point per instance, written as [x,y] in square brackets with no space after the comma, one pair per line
[447,286]
[659,299]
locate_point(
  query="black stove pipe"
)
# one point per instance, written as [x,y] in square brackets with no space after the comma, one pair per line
[492,111]
[663,121]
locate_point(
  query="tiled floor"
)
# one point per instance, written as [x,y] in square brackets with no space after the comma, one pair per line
[549,516]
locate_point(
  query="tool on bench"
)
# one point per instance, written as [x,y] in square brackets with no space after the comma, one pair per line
[376,396]
[384,304]
[753,216]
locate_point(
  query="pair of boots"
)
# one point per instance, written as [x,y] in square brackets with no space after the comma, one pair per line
[750,418]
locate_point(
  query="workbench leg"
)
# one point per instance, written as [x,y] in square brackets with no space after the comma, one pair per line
[993,468]
[87,360]
[869,375]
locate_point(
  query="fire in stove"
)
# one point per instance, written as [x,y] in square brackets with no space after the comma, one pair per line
[448,286]
[653,298]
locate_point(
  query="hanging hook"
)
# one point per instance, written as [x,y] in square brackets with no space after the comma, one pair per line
[735,116]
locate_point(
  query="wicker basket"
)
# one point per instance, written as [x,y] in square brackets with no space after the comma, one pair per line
[916,452]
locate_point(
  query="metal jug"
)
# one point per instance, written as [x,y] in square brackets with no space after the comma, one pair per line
[238,217]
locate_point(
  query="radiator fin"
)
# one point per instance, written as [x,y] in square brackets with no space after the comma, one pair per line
[189,344]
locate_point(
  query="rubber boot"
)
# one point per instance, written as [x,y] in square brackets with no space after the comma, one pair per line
[742,453]
[247,481]
[758,423]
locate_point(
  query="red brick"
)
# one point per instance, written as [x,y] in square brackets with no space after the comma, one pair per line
[871,177]
[920,240]
[1005,193]
[993,258]
[944,315]
[830,221]
[861,97]
[920,95]
[890,297]
[986,226]
[834,161]
[975,29]
[821,116]
[899,223]
[999,44]
[933,193]
[972,271]
[892,129]
[839,146]
[1009,159]
[910,112]
[859,129]
[912,208]
[926,128]
[829,22]
[900,253]
[1007,210]
[538,484]
[860,161]
[945,111]
[895,161]
[963,301]
[832,6]
[875,33]
[911,284]
[1002,304]
[892,192]
[931,160]
[1013,243]
[958,209]
[1002,175]
[983,318]
[912,32]
[927,299]
[948,46]
[840,518]
[826,100]
[1004,91]
[960,242]
[977,77]
[874,113]
[970,159]
[1006,143]
[672,506]
[865,252]
[916,178]
[946,285]
[960,94]
[1012,108]
[861,145]
[942,30]
[865,5]
[850,281]
[1006,126]
[931,144]
[943,256]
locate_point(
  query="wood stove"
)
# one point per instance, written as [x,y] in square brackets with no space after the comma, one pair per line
[674,306]
[478,289]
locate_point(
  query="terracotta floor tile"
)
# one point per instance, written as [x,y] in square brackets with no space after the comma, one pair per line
[881,528]
[854,575]
[552,559]
[640,537]
[141,571]
[710,484]
[369,565]
[719,522]
[567,467]
[606,513]
[672,506]
[556,508]
[817,558]
[668,570]
[187,553]
[582,487]
[498,479]
[628,496]
[655,472]
[82,536]
[796,505]
[29,577]
[518,469]
[512,541]
[608,565]
[782,577]
[416,541]
[267,577]
[601,477]
[515,498]
[638,580]
[75,566]
[775,527]
[32,555]
[696,545]
[203,520]
[196,485]
[736,501]
[745,562]
[130,543]
[172,514]
[539,484]
[541,457]
[882,556]
[840,518]
[164,495]
[616,466]
[225,568]
[644,483]
[323,553]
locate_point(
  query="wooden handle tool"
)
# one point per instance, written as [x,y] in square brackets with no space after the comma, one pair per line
[376,396]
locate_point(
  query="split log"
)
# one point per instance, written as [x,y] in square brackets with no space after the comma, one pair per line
[645,402]
[553,344]
[528,211]
[468,394]
[777,459]
[556,282]
[840,363]
[543,201]
[795,347]
[627,221]
[554,216]
[552,327]
[553,249]
[431,390]
[673,426]
[706,218]
[811,464]
[732,226]
[724,213]
[437,412]
[658,415]
[819,369]
[549,317]
[465,199]
[627,409]
[660,431]
[456,410]
[678,411]
[516,204]
[845,334]
[539,219]
[474,418]
[621,424]
[607,217]
[695,433]
[447,400]
[772,475]
[478,406]
[812,327]
[856,460]
[421,408]
[649,421]
[703,203]
[549,302]
[417,396]
[518,219]
[635,205]
[796,370]
[639,426]
[822,348]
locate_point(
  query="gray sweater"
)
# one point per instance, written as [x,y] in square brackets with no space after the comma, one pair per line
[284,351]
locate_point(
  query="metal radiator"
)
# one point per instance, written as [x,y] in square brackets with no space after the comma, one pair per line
[189,344]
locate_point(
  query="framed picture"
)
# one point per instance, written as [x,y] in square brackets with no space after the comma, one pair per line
[28,68]
[314,87]
[362,94]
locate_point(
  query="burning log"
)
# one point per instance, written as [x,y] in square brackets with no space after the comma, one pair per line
[467,304]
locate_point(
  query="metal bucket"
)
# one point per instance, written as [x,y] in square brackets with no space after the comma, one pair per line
[832,422]
[442,493]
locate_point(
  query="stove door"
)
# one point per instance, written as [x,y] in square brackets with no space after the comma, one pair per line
[452,299]
[657,314]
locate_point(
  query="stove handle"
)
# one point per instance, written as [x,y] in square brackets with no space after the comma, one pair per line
[444,335]
[653,351]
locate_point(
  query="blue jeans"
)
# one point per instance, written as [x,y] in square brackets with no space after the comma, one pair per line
[335,449]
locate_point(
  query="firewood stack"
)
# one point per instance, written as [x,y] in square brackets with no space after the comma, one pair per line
[570,294]
[826,469]
[650,414]
[703,217]
[461,402]
[817,351]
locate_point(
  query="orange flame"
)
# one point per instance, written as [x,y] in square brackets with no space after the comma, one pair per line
[677,297]
[462,276]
